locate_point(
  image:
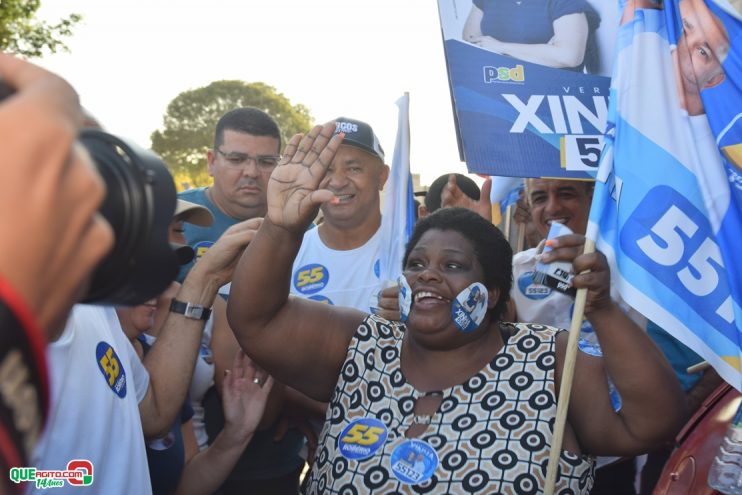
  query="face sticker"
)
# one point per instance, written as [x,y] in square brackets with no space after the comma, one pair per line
[469,307]
[413,462]
[362,438]
[405,297]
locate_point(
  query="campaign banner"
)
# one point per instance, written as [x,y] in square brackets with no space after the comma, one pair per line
[530,83]
[668,200]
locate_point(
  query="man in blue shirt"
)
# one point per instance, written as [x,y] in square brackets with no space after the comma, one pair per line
[247,144]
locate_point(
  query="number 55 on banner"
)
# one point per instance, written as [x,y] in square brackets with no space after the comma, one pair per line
[580,152]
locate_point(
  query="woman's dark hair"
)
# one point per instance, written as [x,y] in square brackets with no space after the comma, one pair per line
[492,250]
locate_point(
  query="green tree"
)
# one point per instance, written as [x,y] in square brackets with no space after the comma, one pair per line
[20,33]
[188,125]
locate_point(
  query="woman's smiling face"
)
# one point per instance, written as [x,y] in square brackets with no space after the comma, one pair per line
[439,267]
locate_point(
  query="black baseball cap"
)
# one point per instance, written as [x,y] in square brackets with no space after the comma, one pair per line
[360,135]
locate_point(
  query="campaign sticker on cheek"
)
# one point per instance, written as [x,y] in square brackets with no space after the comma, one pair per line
[469,307]
[405,298]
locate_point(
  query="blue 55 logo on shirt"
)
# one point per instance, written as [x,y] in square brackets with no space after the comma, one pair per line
[200,248]
[311,278]
[530,289]
[111,368]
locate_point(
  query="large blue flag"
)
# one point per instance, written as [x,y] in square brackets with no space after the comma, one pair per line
[398,215]
[668,198]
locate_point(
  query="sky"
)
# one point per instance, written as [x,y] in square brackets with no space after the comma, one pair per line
[129,58]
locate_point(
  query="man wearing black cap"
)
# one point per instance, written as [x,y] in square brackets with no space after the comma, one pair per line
[338,262]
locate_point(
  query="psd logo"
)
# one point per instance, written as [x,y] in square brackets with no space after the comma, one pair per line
[200,248]
[311,278]
[79,472]
[503,74]
[111,368]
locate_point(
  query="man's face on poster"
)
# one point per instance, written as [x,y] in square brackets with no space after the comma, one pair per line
[702,48]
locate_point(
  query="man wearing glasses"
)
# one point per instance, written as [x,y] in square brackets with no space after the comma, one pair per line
[247,143]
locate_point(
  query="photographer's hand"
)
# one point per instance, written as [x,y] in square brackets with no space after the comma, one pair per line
[50,194]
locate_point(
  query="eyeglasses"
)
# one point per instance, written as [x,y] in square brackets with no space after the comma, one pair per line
[237,160]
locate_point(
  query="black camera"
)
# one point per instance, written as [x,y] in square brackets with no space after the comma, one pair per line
[139,205]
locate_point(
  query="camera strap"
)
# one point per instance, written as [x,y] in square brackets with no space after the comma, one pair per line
[24,382]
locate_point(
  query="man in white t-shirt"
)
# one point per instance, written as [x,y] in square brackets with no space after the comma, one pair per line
[339,261]
[105,402]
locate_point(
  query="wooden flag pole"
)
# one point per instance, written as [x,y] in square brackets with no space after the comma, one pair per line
[506,223]
[565,388]
[521,243]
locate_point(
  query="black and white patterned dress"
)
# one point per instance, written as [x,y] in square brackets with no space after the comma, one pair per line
[491,433]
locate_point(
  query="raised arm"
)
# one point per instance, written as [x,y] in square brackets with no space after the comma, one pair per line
[301,343]
[566,49]
[171,359]
[243,402]
[653,406]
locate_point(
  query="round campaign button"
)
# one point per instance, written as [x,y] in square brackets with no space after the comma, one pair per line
[362,438]
[414,462]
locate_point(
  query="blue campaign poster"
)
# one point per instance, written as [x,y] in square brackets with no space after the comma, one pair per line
[530,82]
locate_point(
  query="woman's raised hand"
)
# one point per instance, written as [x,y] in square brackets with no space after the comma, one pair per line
[293,194]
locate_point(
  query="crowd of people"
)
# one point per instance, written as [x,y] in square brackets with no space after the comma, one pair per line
[281,361]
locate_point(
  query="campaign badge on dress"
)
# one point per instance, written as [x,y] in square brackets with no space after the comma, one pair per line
[469,307]
[414,462]
[405,297]
[362,438]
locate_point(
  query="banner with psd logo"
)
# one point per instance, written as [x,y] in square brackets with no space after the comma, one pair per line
[530,82]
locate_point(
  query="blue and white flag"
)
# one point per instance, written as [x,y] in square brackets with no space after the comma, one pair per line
[668,198]
[398,215]
[505,192]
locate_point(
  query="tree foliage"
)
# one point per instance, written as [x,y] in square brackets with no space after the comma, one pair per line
[188,125]
[21,34]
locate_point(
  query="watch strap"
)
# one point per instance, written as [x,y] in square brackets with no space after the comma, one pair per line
[190,310]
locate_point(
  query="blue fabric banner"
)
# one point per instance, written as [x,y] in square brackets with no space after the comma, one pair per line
[398,214]
[668,198]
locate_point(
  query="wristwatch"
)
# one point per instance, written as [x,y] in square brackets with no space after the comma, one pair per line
[190,310]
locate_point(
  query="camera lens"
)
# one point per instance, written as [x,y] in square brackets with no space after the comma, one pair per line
[139,205]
